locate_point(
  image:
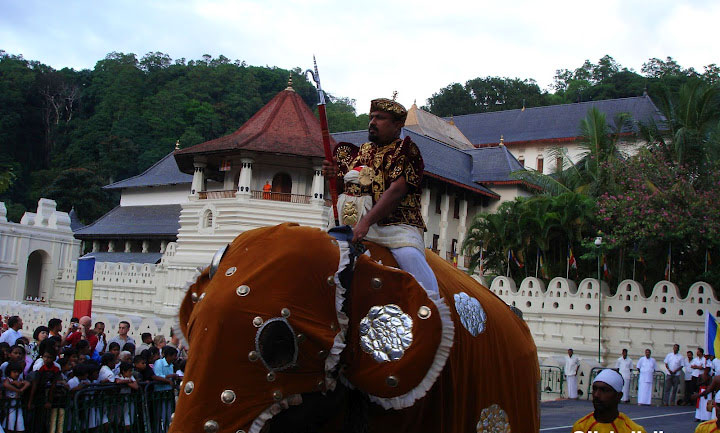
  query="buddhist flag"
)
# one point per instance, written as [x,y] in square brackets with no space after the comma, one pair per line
[668,263]
[516,259]
[83,287]
[572,261]
[712,339]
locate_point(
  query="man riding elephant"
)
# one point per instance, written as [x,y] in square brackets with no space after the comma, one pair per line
[380,185]
[344,341]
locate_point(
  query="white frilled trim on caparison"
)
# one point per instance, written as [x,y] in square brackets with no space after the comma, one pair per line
[339,343]
[333,355]
[441,355]
[177,330]
[274,409]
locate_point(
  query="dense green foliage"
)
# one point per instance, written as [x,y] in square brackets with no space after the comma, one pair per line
[664,198]
[65,133]
[590,82]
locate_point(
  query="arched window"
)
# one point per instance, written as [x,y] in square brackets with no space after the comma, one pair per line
[207,220]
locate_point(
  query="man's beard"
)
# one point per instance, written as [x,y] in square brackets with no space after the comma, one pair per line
[372,135]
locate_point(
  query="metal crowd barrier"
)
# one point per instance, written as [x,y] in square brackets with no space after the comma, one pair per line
[551,379]
[107,408]
[658,384]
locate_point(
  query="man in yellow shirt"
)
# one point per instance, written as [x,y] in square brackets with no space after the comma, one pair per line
[709,426]
[606,393]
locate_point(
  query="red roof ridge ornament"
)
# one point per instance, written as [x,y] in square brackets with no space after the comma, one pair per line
[289,86]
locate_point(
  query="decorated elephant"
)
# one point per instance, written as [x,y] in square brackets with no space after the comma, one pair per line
[293,329]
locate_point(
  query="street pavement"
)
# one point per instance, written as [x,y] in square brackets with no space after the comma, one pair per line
[559,416]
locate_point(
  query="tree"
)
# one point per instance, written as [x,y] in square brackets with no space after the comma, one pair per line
[90,201]
[451,100]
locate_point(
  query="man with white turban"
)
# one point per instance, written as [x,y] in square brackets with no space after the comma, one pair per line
[606,394]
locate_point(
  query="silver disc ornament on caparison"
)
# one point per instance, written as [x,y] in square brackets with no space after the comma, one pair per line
[471,313]
[386,332]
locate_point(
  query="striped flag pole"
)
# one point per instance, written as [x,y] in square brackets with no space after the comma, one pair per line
[83,287]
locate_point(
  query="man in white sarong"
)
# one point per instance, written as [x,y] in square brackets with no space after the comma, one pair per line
[646,365]
[572,364]
[624,364]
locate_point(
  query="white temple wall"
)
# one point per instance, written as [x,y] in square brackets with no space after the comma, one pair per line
[156,195]
[33,251]
[561,317]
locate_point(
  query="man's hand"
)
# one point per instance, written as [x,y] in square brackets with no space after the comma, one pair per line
[329,169]
[360,230]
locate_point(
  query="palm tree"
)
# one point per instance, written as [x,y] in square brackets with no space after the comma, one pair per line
[587,174]
[691,131]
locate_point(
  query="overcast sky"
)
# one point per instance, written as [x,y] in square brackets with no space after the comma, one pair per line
[367,49]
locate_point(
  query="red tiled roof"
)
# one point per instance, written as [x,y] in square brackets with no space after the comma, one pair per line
[284,125]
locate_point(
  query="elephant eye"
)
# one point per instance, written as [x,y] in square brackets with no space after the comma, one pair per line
[276,344]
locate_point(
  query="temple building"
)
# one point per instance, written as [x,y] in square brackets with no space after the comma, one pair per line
[531,134]
[173,217]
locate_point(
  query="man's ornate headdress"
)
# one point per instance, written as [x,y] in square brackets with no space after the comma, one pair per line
[390,106]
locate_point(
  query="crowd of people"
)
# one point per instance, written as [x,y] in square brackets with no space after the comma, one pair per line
[699,373]
[58,360]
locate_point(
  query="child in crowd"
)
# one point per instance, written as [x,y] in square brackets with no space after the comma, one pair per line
[152,355]
[14,388]
[80,377]
[17,354]
[97,416]
[66,368]
[72,355]
[164,372]
[4,351]
[142,373]
[128,347]
[114,348]
[107,362]
[126,378]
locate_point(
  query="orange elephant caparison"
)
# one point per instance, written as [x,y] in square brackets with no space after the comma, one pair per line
[291,330]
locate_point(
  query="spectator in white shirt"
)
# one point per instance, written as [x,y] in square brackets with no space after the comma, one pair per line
[106,374]
[100,334]
[673,365]
[10,336]
[624,364]
[697,366]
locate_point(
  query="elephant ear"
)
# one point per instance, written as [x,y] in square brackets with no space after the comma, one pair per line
[195,290]
[399,337]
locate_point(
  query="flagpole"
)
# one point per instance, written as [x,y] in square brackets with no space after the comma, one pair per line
[567,263]
[706,257]
[508,267]
[633,268]
[537,261]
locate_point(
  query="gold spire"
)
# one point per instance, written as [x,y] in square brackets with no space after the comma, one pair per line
[177,145]
[289,86]
[394,95]
[452,120]
[502,140]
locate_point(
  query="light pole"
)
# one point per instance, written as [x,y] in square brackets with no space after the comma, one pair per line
[598,244]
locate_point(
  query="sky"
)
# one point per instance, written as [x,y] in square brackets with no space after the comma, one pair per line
[368,49]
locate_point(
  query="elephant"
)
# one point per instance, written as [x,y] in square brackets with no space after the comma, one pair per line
[296,329]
